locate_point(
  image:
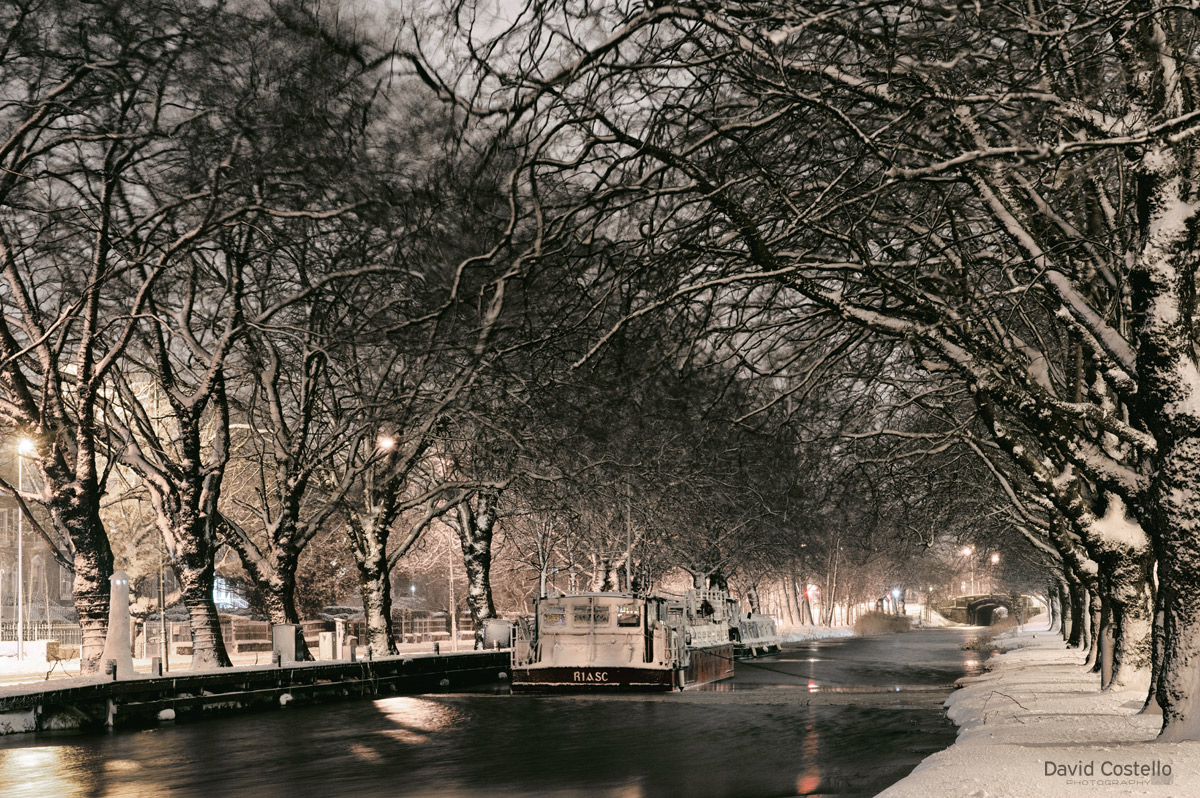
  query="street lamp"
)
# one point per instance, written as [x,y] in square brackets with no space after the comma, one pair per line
[25,447]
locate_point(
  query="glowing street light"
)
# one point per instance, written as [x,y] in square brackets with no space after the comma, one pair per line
[995,558]
[386,442]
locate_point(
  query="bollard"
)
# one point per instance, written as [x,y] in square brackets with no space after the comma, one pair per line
[110,669]
[276,659]
[156,667]
[437,647]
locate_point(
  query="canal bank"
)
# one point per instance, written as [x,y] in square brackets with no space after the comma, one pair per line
[100,702]
[1037,724]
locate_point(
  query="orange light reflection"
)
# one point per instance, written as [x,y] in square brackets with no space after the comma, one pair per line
[810,778]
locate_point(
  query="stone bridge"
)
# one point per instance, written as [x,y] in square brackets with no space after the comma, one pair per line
[982,610]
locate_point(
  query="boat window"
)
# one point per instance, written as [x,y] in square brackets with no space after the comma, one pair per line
[600,615]
[554,616]
[582,615]
[628,615]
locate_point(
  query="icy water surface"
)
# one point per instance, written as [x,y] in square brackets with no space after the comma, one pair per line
[844,717]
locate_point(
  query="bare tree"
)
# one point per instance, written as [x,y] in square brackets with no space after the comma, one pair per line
[1030,223]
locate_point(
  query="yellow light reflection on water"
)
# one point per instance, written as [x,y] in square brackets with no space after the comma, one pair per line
[416,719]
[38,771]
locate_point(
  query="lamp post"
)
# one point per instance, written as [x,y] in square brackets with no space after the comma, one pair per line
[967,552]
[24,447]
[453,612]
[995,559]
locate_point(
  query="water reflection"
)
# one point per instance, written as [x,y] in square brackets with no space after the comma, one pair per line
[51,768]
[415,719]
[810,778]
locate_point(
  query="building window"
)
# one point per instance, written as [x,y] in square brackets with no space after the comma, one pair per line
[228,595]
[66,583]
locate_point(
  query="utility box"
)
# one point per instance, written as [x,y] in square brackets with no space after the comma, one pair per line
[325,646]
[497,633]
[286,640]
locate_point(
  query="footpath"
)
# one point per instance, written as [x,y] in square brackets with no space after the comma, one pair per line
[1036,724]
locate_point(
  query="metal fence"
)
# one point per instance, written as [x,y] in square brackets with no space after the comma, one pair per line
[66,633]
[239,633]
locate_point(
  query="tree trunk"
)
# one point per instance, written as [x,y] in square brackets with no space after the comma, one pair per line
[806,613]
[1133,614]
[93,561]
[195,572]
[752,599]
[476,528]
[1104,652]
[1075,592]
[1052,608]
[194,561]
[1177,514]
[274,575]
[279,597]
[1151,706]
[1085,616]
[375,587]
[90,591]
[792,614]
[1064,610]
[1094,626]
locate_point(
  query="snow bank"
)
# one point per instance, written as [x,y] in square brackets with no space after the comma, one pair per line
[800,634]
[1037,724]
[928,618]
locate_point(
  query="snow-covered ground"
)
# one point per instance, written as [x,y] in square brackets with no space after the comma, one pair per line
[1037,725]
[34,668]
[800,634]
[930,618]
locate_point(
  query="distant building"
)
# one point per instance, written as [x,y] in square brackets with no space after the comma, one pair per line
[47,594]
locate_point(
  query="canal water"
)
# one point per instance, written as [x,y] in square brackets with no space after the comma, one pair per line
[841,717]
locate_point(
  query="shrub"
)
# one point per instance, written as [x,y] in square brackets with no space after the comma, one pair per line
[985,640]
[881,623]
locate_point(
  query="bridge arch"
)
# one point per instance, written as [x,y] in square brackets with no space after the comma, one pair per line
[986,610]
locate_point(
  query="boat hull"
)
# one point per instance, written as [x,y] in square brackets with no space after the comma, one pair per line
[575,679]
[758,649]
[710,664]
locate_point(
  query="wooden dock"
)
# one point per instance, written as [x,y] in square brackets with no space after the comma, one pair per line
[93,703]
